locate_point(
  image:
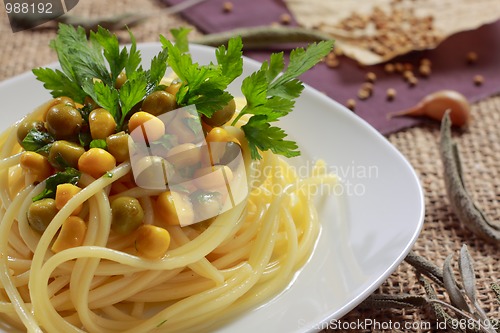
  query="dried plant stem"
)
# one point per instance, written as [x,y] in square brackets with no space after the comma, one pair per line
[425,267]
[461,202]
[264,36]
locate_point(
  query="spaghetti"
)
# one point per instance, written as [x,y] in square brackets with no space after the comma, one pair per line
[212,271]
[85,248]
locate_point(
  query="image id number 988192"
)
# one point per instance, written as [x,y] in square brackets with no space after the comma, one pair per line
[27,14]
[28,8]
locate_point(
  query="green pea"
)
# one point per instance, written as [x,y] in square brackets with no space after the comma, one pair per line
[127,215]
[222,116]
[159,102]
[63,121]
[41,213]
[65,153]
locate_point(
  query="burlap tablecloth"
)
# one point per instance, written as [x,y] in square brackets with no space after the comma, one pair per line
[442,233]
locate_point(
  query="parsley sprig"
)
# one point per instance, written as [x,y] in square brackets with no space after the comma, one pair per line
[204,85]
[90,67]
[271,96]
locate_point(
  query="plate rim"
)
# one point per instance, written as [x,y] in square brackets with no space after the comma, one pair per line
[368,289]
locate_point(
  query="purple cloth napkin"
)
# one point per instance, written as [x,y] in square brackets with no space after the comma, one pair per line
[449,67]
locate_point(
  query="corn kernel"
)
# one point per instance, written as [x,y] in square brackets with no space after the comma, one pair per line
[153,127]
[72,234]
[64,193]
[101,123]
[36,164]
[152,242]
[174,207]
[96,162]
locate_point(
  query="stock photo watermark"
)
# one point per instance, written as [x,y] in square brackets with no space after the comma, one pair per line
[28,14]
[373,325]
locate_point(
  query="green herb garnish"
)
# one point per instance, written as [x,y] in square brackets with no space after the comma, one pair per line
[270,96]
[37,140]
[98,143]
[90,67]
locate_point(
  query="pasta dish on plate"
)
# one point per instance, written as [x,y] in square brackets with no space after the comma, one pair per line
[135,201]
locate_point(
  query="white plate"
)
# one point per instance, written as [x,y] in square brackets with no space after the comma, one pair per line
[364,237]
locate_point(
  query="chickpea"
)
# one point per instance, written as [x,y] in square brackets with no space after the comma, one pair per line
[174,208]
[213,178]
[41,213]
[64,193]
[36,164]
[101,123]
[173,88]
[120,80]
[219,134]
[127,215]
[68,152]
[27,125]
[222,116]
[149,172]
[72,234]
[153,127]
[206,204]
[231,151]
[63,100]
[63,121]
[183,155]
[96,162]
[118,146]
[89,101]
[159,102]
[152,242]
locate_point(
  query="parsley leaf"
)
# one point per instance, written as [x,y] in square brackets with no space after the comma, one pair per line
[204,85]
[180,38]
[69,175]
[98,143]
[131,93]
[270,96]
[59,84]
[111,47]
[262,136]
[37,140]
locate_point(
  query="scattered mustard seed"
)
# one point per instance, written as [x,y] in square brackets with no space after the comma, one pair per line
[351,104]
[471,58]
[407,75]
[425,62]
[227,7]
[364,94]
[391,94]
[478,80]
[389,68]
[371,77]
[285,18]
[412,81]
[424,70]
